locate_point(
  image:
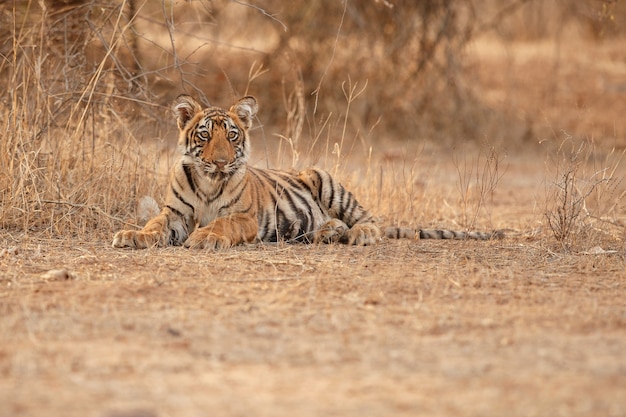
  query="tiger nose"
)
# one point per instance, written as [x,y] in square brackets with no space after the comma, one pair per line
[221,163]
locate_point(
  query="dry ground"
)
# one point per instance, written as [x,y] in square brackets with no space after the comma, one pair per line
[510,327]
[515,327]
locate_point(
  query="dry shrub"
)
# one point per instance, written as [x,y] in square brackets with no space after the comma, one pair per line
[418,46]
[584,204]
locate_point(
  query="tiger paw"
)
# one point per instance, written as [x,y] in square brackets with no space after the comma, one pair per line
[363,234]
[331,232]
[135,239]
[206,240]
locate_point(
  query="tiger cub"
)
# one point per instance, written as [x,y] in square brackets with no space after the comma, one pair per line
[216,200]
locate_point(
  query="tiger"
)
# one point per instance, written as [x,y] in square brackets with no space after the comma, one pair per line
[216,200]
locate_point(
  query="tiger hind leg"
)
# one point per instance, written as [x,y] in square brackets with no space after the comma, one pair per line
[335,230]
[332,231]
[363,234]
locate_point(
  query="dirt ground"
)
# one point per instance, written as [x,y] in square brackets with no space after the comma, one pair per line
[507,327]
[512,327]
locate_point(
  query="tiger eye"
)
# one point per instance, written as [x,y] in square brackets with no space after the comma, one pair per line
[232,135]
[204,134]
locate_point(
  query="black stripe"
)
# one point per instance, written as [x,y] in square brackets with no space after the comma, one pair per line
[215,112]
[192,183]
[182,200]
[266,179]
[262,173]
[263,226]
[285,196]
[261,211]
[176,212]
[349,211]
[174,239]
[342,209]
[268,213]
[306,224]
[305,214]
[247,209]
[296,183]
[214,197]
[331,184]
[302,215]
[190,179]
[320,183]
[283,225]
[282,222]
[259,197]
[271,237]
[432,234]
[236,198]
[187,141]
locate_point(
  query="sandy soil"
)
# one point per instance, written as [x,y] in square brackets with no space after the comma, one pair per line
[403,328]
[509,327]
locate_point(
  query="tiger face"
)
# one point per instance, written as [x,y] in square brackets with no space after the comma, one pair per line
[213,140]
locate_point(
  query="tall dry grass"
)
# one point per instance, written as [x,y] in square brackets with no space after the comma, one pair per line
[71,164]
[85,130]
[86,85]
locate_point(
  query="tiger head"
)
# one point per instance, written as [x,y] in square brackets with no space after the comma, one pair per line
[215,139]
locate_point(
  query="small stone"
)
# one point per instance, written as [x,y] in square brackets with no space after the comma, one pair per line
[57,275]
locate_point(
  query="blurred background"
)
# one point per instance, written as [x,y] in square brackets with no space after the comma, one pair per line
[85,85]
[424,69]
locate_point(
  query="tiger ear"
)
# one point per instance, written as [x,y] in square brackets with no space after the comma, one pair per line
[245,109]
[184,108]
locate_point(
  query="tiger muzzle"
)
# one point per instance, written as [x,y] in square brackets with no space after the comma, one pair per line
[220,164]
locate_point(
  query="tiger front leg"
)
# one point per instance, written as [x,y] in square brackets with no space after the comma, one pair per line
[224,232]
[165,229]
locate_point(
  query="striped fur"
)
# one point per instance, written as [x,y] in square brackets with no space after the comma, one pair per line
[408,233]
[216,200]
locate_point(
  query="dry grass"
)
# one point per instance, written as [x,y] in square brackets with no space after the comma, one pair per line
[530,325]
[572,194]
